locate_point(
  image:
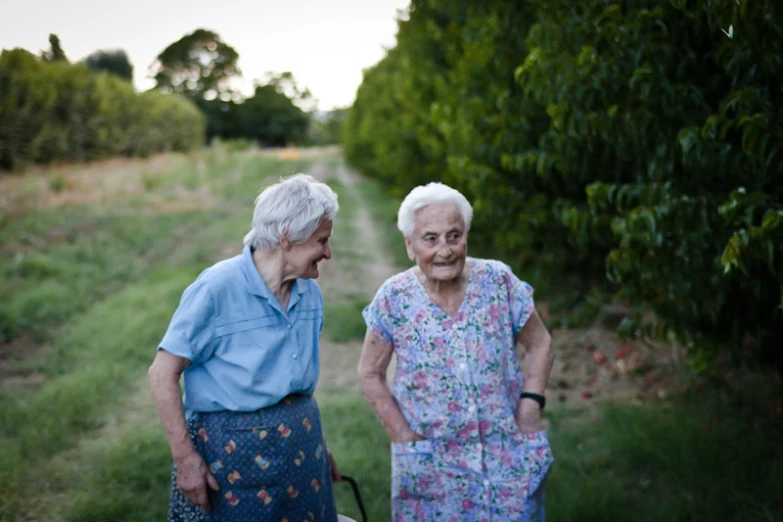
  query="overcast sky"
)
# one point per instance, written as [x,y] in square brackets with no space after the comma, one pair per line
[325,44]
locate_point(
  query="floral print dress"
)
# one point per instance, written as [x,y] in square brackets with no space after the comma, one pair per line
[457,382]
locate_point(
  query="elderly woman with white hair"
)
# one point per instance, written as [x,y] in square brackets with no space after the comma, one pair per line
[246,437]
[468,443]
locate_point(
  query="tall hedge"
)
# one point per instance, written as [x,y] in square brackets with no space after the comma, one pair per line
[59,111]
[636,144]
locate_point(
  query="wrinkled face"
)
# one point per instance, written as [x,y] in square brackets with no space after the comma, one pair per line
[439,243]
[304,257]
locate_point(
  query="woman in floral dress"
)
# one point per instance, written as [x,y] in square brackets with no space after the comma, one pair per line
[465,422]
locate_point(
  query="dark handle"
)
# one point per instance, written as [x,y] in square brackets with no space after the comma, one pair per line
[356,494]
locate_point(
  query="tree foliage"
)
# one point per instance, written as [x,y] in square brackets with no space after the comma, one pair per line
[59,111]
[271,117]
[55,52]
[198,65]
[636,144]
[113,61]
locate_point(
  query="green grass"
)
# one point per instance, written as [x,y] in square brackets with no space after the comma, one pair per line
[129,482]
[343,320]
[691,460]
[383,209]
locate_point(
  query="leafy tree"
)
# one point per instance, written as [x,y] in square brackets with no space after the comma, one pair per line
[114,61]
[53,111]
[636,144]
[271,116]
[199,65]
[55,52]
[286,84]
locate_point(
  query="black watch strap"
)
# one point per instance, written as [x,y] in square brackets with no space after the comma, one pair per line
[540,399]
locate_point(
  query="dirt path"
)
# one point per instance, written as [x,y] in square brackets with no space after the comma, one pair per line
[357,275]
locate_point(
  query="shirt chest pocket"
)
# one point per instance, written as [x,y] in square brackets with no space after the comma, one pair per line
[242,325]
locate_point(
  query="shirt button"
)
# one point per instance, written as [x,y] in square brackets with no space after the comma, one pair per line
[295,356]
[479,446]
[486,483]
[462,366]
[289,326]
[471,408]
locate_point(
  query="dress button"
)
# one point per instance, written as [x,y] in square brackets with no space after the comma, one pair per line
[471,408]
[479,446]
[295,356]
[289,326]
[462,366]
[486,483]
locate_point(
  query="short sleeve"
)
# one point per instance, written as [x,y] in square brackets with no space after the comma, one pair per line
[377,316]
[520,298]
[192,328]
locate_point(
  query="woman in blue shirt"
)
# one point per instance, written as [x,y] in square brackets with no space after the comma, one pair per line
[246,436]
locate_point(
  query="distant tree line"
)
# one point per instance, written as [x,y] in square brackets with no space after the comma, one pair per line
[51,109]
[201,66]
[632,144]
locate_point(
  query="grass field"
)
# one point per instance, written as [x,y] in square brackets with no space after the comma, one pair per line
[92,264]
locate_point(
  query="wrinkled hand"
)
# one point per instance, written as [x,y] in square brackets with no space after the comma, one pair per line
[335,471]
[193,477]
[529,416]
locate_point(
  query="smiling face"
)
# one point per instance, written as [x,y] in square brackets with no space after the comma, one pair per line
[303,258]
[439,243]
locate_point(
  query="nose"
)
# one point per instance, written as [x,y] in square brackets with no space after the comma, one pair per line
[327,252]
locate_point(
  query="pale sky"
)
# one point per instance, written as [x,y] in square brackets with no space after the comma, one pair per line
[325,44]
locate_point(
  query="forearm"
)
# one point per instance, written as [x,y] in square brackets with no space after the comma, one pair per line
[377,394]
[168,400]
[538,365]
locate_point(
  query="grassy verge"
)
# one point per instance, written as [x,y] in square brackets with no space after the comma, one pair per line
[688,460]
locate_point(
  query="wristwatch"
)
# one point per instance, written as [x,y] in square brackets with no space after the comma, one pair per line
[540,399]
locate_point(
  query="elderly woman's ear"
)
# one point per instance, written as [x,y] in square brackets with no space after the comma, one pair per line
[409,249]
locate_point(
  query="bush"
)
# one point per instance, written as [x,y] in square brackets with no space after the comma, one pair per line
[52,111]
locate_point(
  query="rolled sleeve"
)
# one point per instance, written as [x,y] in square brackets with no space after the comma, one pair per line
[191,331]
[377,317]
[520,300]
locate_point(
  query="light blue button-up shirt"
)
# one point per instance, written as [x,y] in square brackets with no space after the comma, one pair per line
[246,352]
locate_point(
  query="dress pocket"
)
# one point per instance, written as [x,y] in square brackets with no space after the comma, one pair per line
[416,480]
[536,458]
[243,455]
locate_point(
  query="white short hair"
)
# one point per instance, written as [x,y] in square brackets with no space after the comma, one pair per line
[292,208]
[424,195]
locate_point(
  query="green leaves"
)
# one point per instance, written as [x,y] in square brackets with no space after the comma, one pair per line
[199,65]
[58,111]
[605,135]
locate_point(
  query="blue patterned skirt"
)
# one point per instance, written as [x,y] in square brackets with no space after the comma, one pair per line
[271,464]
